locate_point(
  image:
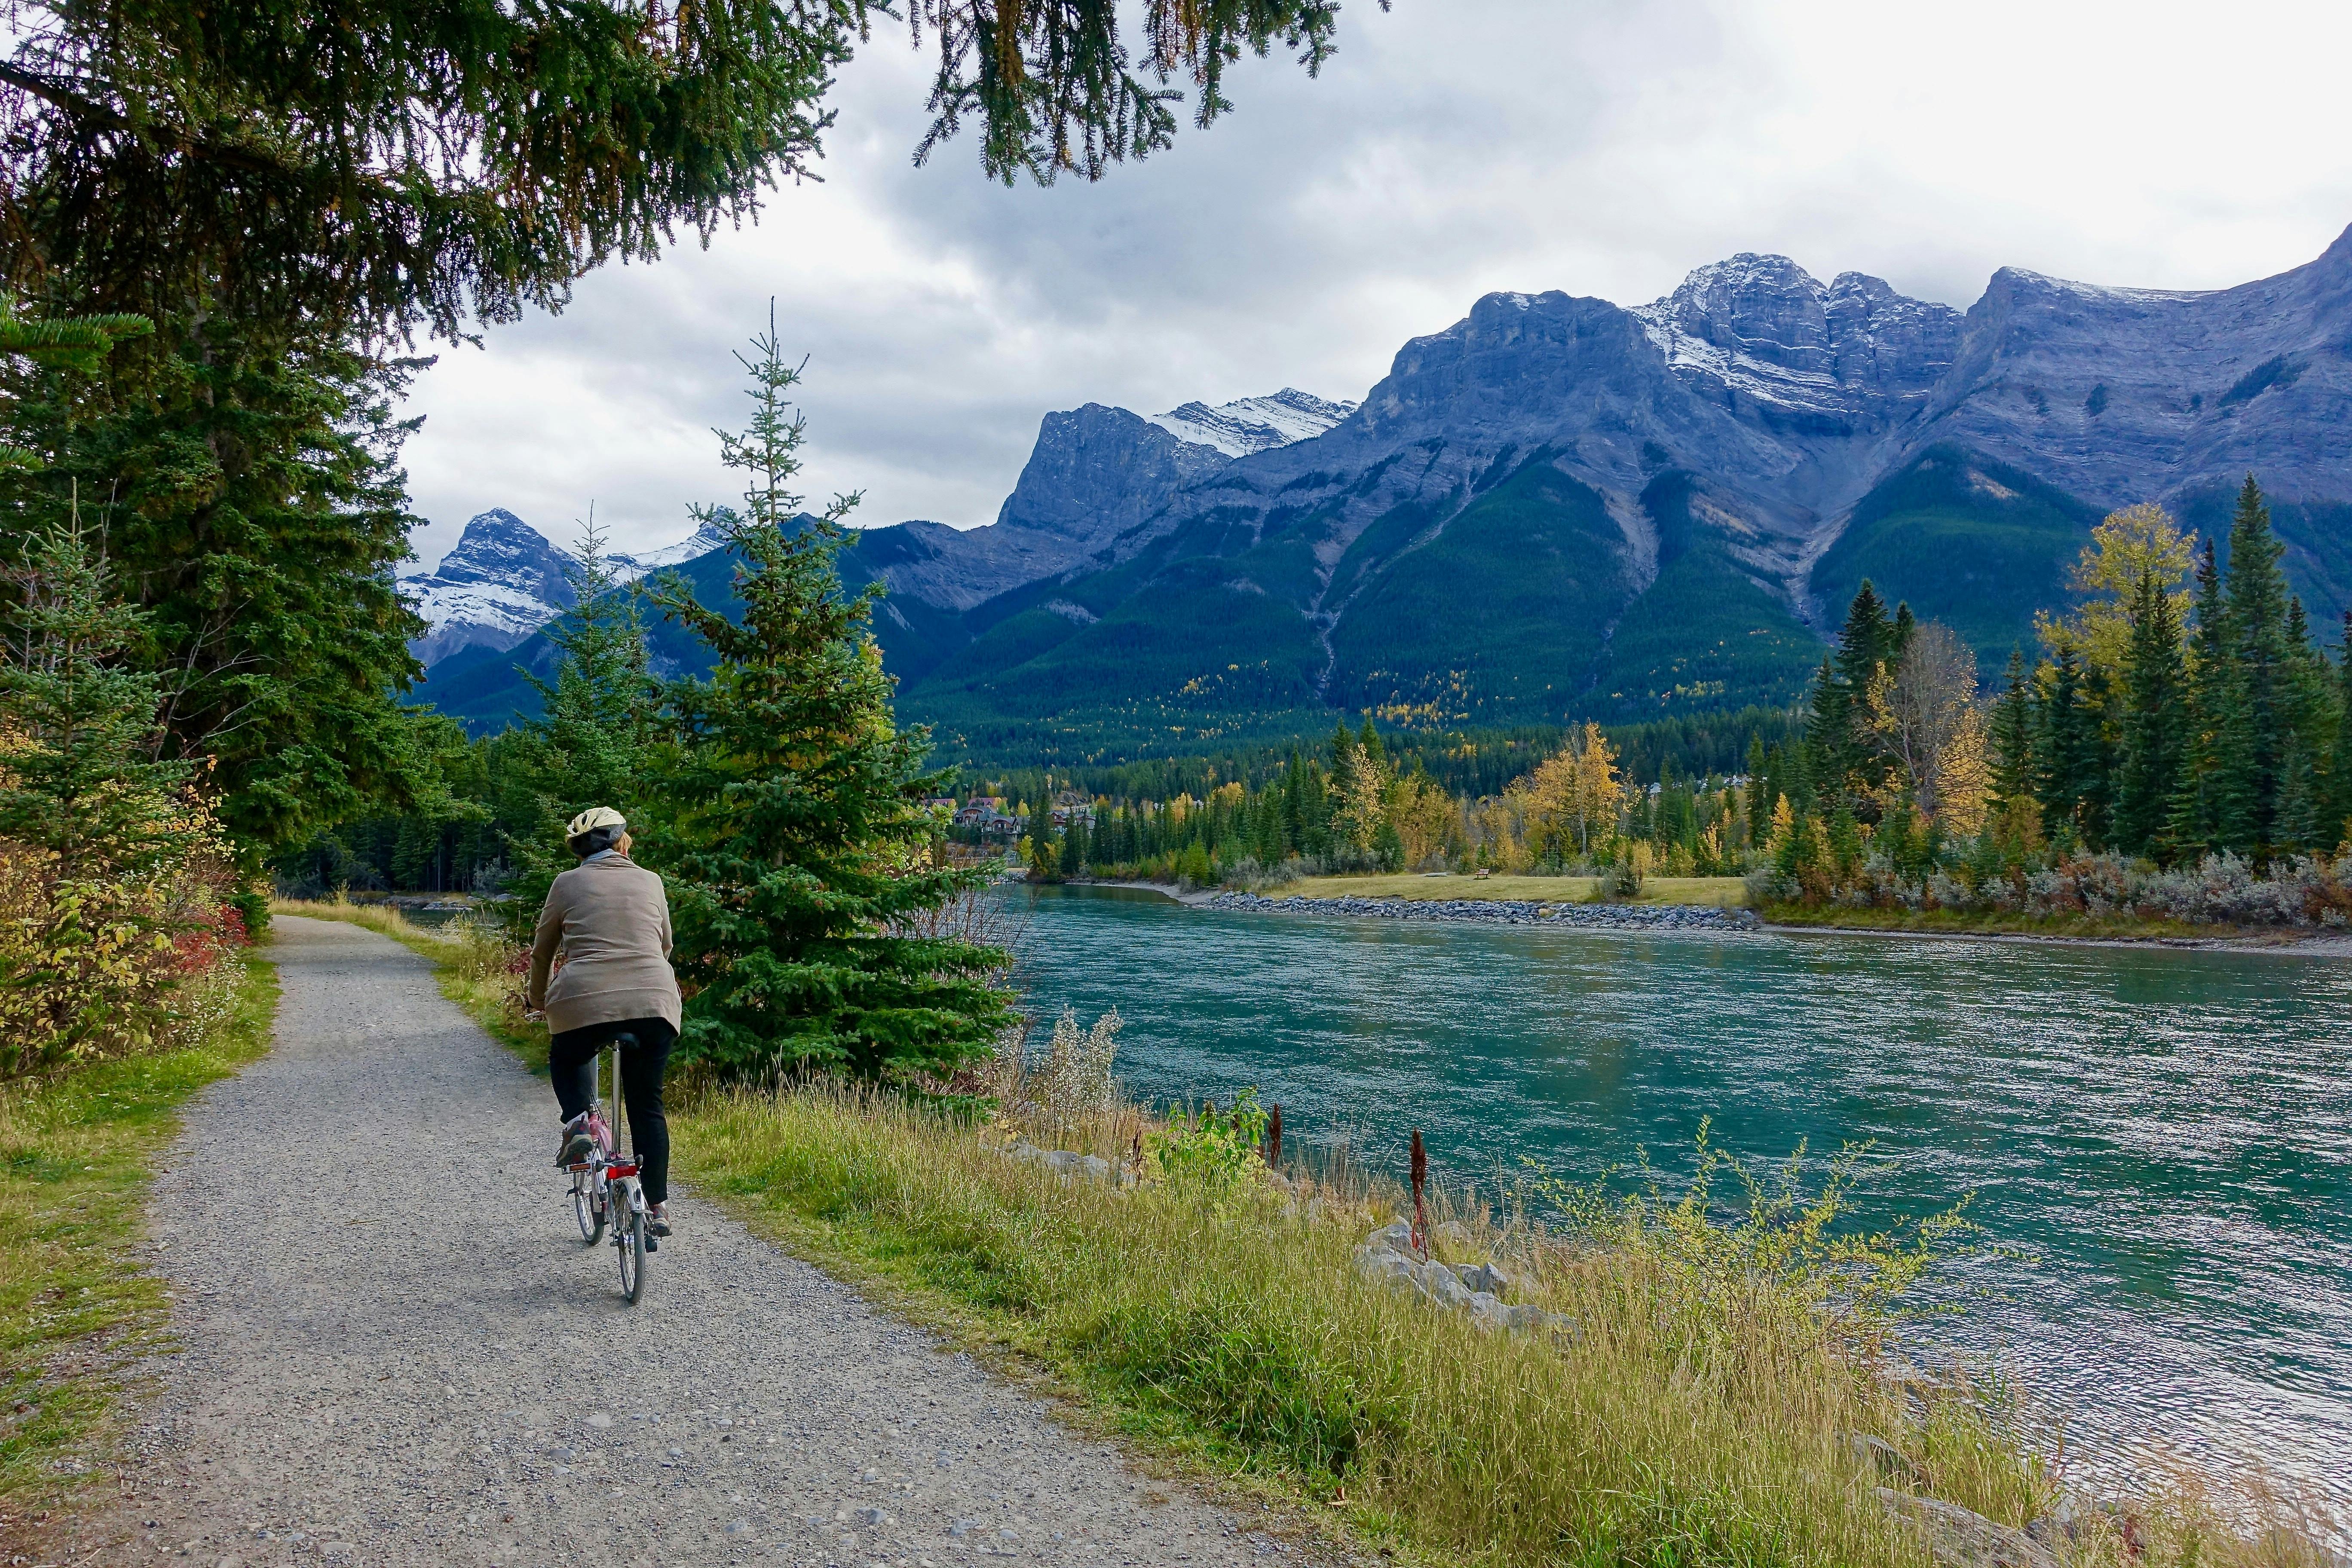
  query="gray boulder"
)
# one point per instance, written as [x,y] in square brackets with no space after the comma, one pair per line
[1958,1538]
[1483,1276]
[1443,1288]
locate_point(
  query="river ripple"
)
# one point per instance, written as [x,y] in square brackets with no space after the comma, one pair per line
[2165,1136]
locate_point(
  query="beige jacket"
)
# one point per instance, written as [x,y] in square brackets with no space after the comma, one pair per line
[610,919]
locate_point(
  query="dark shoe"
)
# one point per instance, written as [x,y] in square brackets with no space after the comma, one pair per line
[657,1224]
[579,1147]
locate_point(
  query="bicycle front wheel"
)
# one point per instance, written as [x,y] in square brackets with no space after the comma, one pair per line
[587,1206]
[629,1240]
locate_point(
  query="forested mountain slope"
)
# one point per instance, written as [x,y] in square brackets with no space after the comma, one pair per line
[1562,507]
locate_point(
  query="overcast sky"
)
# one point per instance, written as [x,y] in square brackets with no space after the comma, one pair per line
[1454,147]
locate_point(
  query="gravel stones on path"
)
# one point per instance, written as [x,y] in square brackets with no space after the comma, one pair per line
[393,1348]
[1505,911]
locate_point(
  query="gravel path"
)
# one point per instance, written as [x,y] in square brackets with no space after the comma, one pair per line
[393,1348]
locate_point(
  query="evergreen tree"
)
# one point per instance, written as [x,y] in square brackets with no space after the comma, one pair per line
[1342,761]
[2014,767]
[254,513]
[2102,733]
[2191,830]
[387,162]
[1294,813]
[2154,729]
[1828,723]
[587,746]
[2337,827]
[78,777]
[1845,764]
[1760,798]
[788,819]
[2256,690]
[2062,745]
[2298,804]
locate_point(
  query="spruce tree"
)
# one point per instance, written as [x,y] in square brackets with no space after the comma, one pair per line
[1823,744]
[2156,720]
[588,744]
[2062,745]
[254,515]
[789,823]
[2190,830]
[2259,694]
[1845,764]
[2013,763]
[386,161]
[78,777]
[1759,801]
[1294,807]
[2337,827]
[2297,828]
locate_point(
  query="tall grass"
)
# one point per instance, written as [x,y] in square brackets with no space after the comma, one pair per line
[77,1303]
[1675,1425]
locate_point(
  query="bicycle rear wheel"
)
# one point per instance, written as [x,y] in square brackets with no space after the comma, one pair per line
[587,1206]
[629,1240]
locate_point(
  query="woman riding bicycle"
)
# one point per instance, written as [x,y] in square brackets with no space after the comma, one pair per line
[610,918]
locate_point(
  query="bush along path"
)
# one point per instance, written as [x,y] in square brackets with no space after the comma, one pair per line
[392,1348]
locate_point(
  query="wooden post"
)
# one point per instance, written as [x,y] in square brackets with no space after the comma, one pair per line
[1419,1208]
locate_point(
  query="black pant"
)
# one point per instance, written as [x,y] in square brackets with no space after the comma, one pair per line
[571,1062]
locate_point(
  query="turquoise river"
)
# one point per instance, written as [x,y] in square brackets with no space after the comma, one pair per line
[2158,1142]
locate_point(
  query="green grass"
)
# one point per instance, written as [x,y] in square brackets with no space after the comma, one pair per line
[78,1304]
[1674,1429]
[1995,922]
[1724,893]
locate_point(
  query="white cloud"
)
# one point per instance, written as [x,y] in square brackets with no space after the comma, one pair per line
[1603,148]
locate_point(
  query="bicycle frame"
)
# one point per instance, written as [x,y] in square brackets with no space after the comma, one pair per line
[610,1180]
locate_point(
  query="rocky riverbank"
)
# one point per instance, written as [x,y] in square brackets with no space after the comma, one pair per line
[1505,912]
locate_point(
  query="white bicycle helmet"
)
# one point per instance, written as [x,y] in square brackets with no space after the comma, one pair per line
[595,816]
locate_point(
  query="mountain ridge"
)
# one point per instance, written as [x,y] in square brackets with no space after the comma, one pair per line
[1696,484]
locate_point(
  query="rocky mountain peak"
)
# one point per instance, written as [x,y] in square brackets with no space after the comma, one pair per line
[503,581]
[1762,327]
[1250,424]
[497,546]
[1764,307]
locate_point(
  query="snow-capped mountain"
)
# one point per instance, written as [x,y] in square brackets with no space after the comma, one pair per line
[1250,424]
[710,536]
[1095,473]
[505,579]
[501,583]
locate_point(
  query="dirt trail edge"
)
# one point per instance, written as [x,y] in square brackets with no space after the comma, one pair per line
[393,1349]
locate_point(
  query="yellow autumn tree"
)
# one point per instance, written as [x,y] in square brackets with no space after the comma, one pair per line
[1427,821]
[1362,805]
[1573,795]
[1963,776]
[2138,540]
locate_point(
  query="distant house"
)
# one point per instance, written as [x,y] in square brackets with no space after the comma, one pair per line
[974,815]
[1064,815]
